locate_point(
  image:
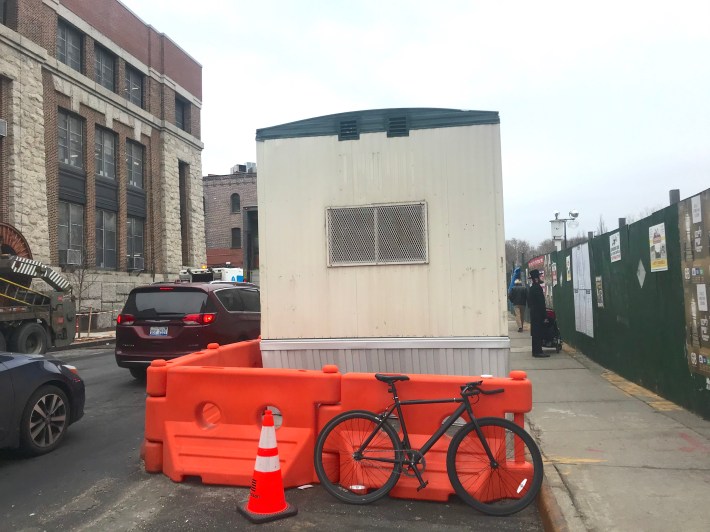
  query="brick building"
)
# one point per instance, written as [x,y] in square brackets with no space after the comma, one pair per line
[231,224]
[100,166]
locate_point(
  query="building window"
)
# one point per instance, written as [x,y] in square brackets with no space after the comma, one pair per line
[4,8]
[105,151]
[236,238]
[105,239]
[182,114]
[134,163]
[236,204]
[134,244]
[134,86]
[70,233]
[69,45]
[71,140]
[377,234]
[105,68]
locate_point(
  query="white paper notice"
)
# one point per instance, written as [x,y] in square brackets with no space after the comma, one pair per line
[702,298]
[697,212]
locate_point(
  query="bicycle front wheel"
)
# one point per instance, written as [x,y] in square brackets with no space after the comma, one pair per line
[497,489]
[351,473]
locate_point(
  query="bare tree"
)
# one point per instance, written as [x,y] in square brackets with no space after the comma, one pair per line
[516,253]
[545,247]
[643,213]
[601,227]
[82,279]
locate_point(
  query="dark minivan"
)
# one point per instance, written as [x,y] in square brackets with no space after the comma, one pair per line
[168,320]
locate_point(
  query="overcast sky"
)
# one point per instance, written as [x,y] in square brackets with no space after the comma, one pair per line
[604,106]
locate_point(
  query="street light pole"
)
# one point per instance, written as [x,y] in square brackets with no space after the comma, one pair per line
[565,221]
[555,225]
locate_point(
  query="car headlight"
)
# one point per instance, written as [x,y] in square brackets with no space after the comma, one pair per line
[71,368]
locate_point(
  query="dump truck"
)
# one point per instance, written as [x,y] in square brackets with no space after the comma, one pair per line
[33,320]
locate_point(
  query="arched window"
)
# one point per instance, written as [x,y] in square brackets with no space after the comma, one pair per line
[236,204]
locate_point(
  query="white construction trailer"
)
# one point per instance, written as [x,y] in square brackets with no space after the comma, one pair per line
[382,242]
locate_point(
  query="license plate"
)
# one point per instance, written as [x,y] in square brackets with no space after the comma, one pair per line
[158,331]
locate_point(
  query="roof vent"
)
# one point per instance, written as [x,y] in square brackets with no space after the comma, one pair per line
[397,126]
[349,130]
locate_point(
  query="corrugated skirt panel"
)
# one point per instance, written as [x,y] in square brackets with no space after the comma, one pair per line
[444,361]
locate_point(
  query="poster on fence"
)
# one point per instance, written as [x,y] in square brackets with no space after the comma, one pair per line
[657,243]
[615,247]
[554,274]
[694,230]
[600,291]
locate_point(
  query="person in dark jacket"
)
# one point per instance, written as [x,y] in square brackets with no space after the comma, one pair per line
[538,314]
[518,296]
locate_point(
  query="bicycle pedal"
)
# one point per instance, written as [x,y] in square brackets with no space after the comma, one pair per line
[423,485]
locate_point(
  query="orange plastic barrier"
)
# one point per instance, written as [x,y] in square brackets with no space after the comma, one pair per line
[361,391]
[204,420]
[203,415]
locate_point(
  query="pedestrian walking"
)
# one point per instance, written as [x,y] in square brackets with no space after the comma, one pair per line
[518,296]
[536,302]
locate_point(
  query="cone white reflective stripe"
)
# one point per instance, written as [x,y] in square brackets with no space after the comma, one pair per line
[267,464]
[267,440]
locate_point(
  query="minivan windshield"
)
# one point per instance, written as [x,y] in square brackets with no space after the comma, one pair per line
[166,302]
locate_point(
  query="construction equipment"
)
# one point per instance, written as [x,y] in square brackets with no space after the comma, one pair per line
[32,320]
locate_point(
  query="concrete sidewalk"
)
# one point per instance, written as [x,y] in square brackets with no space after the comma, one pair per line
[617,457]
[93,339]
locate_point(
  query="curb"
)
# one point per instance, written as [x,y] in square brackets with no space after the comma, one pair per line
[550,512]
[79,345]
[555,504]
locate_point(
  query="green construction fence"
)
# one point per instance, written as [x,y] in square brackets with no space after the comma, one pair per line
[639,332]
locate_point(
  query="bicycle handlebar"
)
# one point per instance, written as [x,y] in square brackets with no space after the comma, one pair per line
[474,388]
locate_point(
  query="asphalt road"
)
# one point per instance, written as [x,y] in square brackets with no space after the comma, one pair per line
[95,481]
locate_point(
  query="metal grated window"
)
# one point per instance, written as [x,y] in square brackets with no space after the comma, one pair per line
[348,130]
[397,126]
[378,234]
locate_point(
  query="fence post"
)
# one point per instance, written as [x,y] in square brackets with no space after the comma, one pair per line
[88,326]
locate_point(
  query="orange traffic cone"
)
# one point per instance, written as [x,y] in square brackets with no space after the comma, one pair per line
[267,501]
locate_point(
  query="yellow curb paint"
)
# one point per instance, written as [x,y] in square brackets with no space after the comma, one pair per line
[634,390]
[664,406]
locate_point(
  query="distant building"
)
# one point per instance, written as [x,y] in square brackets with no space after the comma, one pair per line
[231,221]
[100,151]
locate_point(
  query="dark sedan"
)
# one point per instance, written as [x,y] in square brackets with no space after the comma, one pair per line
[39,399]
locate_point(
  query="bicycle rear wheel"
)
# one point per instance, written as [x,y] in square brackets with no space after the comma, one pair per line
[502,490]
[358,478]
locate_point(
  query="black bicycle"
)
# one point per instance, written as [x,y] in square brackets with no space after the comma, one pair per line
[492,463]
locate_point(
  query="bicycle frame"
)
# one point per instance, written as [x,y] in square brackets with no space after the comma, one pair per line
[413,459]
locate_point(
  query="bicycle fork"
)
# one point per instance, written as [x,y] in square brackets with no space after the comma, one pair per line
[481,437]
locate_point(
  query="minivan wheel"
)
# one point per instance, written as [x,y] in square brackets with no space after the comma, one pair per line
[139,373]
[44,421]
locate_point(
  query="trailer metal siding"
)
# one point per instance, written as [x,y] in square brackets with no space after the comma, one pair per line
[456,170]
[313,314]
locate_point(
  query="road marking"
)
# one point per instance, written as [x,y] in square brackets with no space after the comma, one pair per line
[568,460]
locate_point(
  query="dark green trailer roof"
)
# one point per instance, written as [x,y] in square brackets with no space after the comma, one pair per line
[396,122]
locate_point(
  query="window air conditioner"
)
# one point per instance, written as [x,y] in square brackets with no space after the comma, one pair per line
[74,256]
[3,128]
[138,263]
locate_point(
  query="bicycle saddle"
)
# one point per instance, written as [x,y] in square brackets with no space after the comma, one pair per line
[389,379]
